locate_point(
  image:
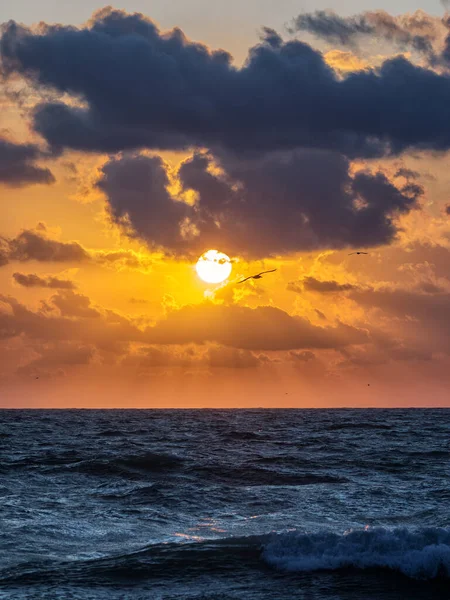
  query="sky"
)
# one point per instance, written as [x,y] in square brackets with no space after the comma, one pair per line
[134,138]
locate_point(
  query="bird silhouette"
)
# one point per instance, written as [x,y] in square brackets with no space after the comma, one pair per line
[358,253]
[258,276]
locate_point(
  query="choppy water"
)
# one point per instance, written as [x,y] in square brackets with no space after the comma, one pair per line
[276,504]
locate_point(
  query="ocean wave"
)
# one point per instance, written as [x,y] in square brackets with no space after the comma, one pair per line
[139,495]
[129,466]
[255,476]
[365,426]
[189,558]
[72,461]
[244,435]
[420,554]
[43,459]
[110,433]
[428,454]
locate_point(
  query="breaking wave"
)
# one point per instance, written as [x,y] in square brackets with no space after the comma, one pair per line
[420,554]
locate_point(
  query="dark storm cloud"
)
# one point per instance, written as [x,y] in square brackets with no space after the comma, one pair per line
[417,31]
[17,166]
[447,209]
[142,88]
[32,280]
[284,203]
[323,287]
[136,188]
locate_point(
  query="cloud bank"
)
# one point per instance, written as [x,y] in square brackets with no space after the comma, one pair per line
[283,203]
[141,87]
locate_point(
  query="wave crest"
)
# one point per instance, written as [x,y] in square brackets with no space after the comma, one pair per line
[420,554]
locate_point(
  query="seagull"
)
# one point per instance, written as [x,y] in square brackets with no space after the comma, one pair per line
[258,276]
[358,253]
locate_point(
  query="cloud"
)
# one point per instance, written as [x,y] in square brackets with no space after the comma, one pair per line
[330,26]
[52,359]
[345,62]
[35,245]
[377,356]
[418,31]
[71,304]
[136,189]
[144,88]
[322,287]
[71,317]
[33,280]
[423,316]
[407,173]
[430,288]
[4,252]
[262,328]
[106,331]
[138,301]
[17,166]
[231,358]
[447,209]
[283,203]
[149,358]
[215,357]
[123,259]
[410,354]
[304,356]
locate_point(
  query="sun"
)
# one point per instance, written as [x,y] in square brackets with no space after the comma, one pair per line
[213,266]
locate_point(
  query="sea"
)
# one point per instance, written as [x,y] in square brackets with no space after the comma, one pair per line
[225,504]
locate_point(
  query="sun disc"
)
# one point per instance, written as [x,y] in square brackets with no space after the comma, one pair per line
[213,266]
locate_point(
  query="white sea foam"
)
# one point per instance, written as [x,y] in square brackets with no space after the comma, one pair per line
[420,553]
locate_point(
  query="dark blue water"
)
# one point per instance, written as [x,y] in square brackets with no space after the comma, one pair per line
[276,504]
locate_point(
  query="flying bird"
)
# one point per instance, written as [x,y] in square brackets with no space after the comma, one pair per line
[358,253]
[258,276]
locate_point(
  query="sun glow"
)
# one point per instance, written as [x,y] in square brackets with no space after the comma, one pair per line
[213,266]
